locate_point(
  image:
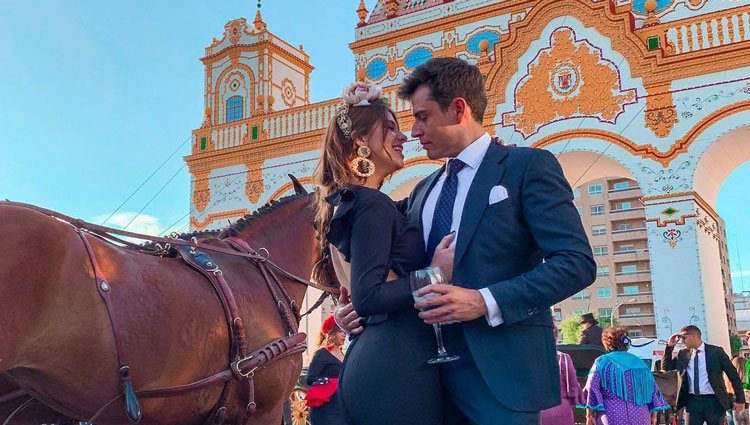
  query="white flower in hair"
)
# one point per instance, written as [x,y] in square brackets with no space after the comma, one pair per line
[361,94]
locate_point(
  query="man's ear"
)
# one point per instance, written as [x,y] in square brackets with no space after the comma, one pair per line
[461,109]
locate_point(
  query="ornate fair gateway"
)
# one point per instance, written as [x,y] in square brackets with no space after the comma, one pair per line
[653,91]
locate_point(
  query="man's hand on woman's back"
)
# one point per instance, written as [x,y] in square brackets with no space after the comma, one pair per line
[345,316]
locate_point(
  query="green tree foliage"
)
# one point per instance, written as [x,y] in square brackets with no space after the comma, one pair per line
[735,342]
[571,329]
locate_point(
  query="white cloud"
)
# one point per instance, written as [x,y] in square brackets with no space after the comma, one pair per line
[144,223]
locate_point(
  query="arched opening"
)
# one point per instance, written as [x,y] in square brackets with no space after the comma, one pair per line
[609,200]
[720,181]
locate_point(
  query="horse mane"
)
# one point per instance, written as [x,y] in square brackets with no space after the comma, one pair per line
[238,226]
[241,224]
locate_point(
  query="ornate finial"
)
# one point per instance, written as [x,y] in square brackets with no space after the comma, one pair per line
[362,13]
[258,22]
[391,6]
[650,7]
[361,74]
[484,47]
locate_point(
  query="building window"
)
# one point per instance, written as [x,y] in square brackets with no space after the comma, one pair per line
[597,209]
[627,248]
[601,250]
[621,186]
[624,206]
[580,312]
[629,269]
[625,226]
[596,189]
[604,293]
[558,315]
[630,290]
[580,210]
[635,333]
[583,295]
[577,193]
[599,230]
[234,108]
[605,313]
[602,271]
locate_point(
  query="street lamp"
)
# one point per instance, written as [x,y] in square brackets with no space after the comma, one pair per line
[616,308]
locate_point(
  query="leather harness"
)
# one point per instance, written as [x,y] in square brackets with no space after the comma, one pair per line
[243,364]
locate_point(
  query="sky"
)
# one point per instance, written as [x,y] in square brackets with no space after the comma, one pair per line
[95,96]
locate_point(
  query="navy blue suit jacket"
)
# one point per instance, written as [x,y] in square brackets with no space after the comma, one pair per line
[531,251]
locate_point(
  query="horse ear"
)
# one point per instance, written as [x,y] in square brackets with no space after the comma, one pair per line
[298,188]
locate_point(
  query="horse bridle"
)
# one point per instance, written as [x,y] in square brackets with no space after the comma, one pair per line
[245,363]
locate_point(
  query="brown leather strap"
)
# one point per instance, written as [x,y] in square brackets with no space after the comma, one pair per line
[256,360]
[104,287]
[11,396]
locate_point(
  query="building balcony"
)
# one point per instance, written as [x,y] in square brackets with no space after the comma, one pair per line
[639,298]
[630,256]
[624,194]
[644,319]
[628,213]
[629,235]
[639,276]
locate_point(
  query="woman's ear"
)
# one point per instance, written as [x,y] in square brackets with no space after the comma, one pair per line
[358,140]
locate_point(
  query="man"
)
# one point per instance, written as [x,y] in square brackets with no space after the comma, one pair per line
[591,332]
[520,248]
[701,387]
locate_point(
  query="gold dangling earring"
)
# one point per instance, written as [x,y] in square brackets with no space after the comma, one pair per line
[361,166]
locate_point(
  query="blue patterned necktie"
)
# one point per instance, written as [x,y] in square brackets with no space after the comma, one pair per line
[443,216]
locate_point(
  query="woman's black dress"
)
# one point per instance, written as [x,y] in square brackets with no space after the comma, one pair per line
[325,365]
[385,377]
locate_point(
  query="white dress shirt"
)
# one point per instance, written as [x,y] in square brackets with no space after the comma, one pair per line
[704,384]
[472,156]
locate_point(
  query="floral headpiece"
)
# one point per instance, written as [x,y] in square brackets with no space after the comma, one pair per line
[356,94]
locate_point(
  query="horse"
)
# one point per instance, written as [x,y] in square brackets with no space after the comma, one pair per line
[58,343]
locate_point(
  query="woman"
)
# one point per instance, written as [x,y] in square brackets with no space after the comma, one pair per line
[372,247]
[734,418]
[322,376]
[570,392]
[620,389]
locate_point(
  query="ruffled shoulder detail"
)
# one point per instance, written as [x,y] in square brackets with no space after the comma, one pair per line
[339,230]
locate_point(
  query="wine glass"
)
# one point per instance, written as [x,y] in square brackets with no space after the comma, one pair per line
[418,280]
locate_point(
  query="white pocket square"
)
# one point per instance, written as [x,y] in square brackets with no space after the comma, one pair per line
[497,194]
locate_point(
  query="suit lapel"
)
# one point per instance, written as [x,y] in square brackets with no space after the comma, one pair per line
[489,173]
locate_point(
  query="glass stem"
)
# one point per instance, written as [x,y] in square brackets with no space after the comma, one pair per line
[439,336]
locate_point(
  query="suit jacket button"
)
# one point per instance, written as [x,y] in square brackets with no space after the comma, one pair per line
[531,312]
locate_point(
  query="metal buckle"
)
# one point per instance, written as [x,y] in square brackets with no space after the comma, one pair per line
[236,368]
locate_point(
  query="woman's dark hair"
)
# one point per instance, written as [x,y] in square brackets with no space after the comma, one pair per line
[615,339]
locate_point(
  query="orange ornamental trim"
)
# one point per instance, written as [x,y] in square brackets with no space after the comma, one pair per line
[259,48]
[649,151]
[446,23]
[201,225]
[286,186]
[677,221]
[691,195]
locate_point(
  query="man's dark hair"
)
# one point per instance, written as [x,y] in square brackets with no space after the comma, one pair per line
[447,79]
[691,329]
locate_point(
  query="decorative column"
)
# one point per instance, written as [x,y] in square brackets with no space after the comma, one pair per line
[686,266]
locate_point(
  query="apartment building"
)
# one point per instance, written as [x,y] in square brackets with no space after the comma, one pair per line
[614,219]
